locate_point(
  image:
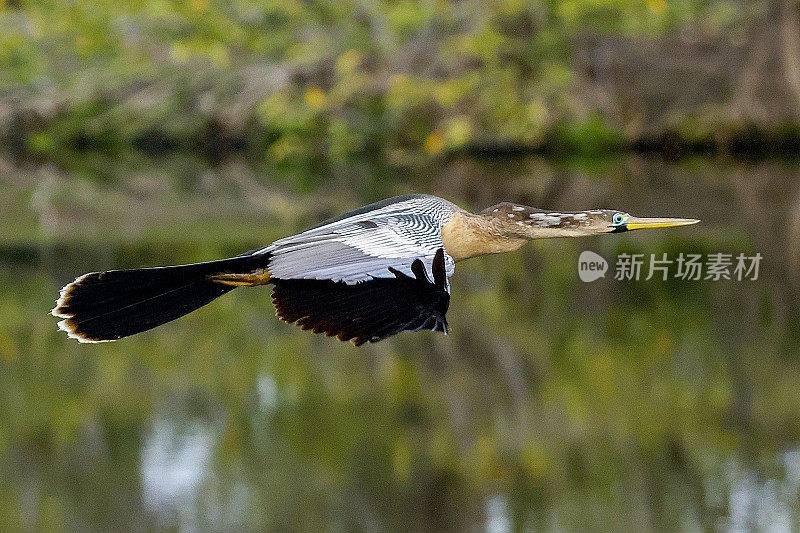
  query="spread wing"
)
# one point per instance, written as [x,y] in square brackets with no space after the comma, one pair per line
[365,276]
[361,247]
[368,311]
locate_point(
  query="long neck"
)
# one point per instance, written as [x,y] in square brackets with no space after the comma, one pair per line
[506,227]
[466,235]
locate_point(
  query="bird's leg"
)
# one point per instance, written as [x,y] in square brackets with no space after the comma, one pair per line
[257,277]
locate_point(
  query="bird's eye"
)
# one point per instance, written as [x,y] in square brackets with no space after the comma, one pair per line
[618,219]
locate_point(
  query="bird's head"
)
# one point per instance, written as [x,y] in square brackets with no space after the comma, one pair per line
[532,223]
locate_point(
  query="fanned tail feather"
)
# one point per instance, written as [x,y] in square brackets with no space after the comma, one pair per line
[106,306]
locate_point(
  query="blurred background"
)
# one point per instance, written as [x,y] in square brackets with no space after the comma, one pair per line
[141,133]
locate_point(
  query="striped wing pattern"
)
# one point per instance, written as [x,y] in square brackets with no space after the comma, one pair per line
[369,274]
[365,245]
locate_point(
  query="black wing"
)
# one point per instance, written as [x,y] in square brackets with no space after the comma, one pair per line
[370,310]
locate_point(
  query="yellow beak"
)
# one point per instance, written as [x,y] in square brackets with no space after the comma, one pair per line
[644,223]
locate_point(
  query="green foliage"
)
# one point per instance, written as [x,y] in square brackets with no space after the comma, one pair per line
[302,81]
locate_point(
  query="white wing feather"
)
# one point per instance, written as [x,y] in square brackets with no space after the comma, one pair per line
[363,246]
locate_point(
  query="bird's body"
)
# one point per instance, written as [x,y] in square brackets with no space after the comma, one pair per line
[362,276]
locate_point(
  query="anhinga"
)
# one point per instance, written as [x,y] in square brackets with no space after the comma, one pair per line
[363,276]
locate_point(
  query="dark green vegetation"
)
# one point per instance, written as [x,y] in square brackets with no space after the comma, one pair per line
[612,405]
[310,84]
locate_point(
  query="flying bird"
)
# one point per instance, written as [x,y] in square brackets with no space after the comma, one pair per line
[363,276]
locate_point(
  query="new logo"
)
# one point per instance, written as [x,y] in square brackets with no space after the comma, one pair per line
[591,266]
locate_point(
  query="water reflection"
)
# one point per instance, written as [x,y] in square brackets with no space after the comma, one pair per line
[174,463]
[267,393]
[554,404]
[763,504]
[497,515]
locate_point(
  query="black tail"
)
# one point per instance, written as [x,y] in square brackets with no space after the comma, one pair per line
[106,306]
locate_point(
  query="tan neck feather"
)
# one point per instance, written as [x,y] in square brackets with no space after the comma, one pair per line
[466,235]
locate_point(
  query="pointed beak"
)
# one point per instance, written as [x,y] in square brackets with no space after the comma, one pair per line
[644,223]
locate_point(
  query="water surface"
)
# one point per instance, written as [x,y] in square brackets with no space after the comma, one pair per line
[553,405]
